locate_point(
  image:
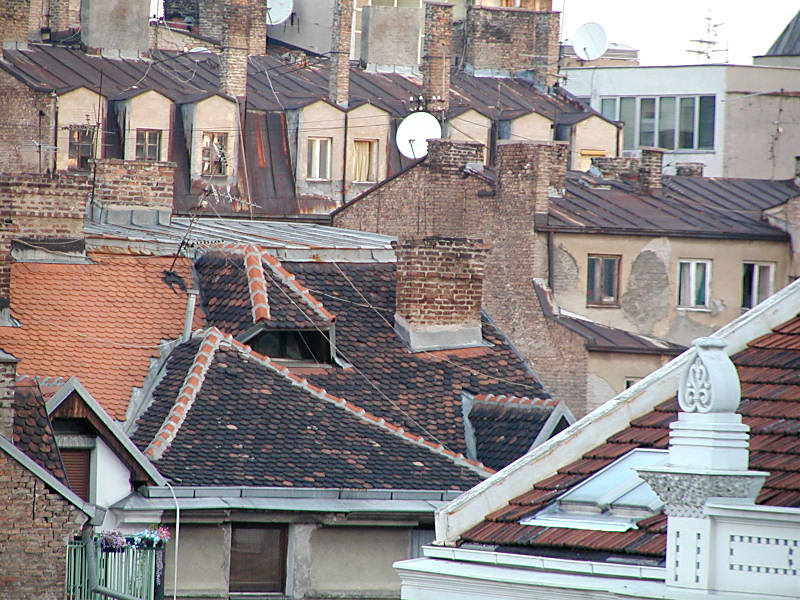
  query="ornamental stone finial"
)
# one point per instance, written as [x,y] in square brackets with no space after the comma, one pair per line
[710,384]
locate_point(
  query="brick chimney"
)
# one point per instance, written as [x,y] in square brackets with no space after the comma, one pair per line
[8,383]
[650,168]
[558,171]
[689,169]
[60,16]
[14,16]
[235,48]
[436,55]
[339,76]
[444,155]
[439,289]
[258,27]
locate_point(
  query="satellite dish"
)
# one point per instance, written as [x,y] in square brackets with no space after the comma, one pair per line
[278,11]
[590,41]
[414,132]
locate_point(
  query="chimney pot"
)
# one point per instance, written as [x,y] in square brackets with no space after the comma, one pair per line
[650,169]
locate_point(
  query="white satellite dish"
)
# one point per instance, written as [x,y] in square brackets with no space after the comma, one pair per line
[278,11]
[414,132]
[590,41]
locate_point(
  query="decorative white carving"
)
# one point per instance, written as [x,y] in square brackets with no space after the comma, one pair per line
[698,388]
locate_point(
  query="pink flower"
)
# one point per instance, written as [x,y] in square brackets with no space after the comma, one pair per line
[163,533]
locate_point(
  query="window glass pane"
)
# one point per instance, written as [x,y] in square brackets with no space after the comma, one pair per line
[700,284]
[764,282]
[627,109]
[684,294]
[747,285]
[608,108]
[609,279]
[324,153]
[257,559]
[705,134]
[666,122]
[647,121]
[361,160]
[591,278]
[686,125]
[310,170]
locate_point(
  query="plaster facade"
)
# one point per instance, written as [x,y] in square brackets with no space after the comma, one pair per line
[79,108]
[469,126]
[149,110]
[213,114]
[531,127]
[592,137]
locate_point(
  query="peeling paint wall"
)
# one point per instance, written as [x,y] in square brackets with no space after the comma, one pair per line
[608,371]
[648,283]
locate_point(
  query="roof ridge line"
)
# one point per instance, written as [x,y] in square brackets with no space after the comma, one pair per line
[186,396]
[516,400]
[257,285]
[360,413]
[290,281]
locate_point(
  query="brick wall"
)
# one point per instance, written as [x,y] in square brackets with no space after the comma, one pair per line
[339,76]
[650,168]
[689,169]
[19,114]
[35,524]
[235,48]
[210,15]
[36,206]
[436,198]
[134,183]
[8,375]
[14,19]
[179,9]
[512,38]
[616,167]
[440,280]
[436,56]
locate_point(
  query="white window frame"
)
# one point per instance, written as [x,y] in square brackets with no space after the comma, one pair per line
[754,285]
[657,125]
[313,168]
[693,262]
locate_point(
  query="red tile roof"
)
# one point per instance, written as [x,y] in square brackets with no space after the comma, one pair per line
[99,322]
[769,370]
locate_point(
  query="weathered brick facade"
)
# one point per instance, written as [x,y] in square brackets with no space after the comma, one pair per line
[689,169]
[14,20]
[618,167]
[512,39]
[180,9]
[436,56]
[235,48]
[35,524]
[436,197]
[20,108]
[134,183]
[339,76]
[651,165]
[440,280]
[8,375]
[211,14]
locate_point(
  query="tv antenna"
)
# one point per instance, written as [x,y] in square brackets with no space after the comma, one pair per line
[414,132]
[279,11]
[590,41]
[706,46]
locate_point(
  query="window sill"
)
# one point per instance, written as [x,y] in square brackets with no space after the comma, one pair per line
[594,305]
[363,182]
[309,180]
[704,309]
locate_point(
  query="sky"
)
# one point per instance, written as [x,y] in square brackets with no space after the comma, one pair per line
[662,30]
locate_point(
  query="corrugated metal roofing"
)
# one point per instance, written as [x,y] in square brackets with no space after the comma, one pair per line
[685,206]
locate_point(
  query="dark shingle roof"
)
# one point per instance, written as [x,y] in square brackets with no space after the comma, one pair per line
[33,432]
[769,370]
[788,42]
[686,206]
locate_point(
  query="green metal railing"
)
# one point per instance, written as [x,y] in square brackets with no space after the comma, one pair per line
[132,572]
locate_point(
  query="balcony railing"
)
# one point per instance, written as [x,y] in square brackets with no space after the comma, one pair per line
[134,572]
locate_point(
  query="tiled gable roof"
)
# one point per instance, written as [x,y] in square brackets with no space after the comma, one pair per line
[240,419]
[33,431]
[100,322]
[769,370]
[505,427]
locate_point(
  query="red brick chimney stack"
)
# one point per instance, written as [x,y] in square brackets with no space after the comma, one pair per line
[235,48]
[439,290]
[339,76]
[650,168]
[8,383]
[436,55]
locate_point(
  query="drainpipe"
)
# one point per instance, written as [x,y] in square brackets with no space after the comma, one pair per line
[177,539]
[191,300]
[344,162]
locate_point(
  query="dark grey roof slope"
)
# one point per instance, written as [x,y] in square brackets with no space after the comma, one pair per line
[686,206]
[788,42]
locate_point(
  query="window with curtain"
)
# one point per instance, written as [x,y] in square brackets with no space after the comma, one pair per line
[602,280]
[365,160]
[258,558]
[693,283]
[756,283]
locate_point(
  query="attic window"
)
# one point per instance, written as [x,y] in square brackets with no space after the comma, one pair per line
[295,345]
[612,499]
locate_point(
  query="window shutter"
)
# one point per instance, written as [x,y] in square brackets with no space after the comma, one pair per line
[76,465]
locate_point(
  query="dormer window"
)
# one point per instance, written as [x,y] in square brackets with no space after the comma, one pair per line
[293,345]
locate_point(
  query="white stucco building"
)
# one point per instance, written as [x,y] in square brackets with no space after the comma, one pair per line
[738,120]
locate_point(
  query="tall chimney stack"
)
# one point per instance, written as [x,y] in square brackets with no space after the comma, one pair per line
[436,56]
[650,168]
[339,76]
[439,290]
[235,47]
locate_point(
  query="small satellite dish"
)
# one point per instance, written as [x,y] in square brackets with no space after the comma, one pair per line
[590,41]
[278,11]
[414,132]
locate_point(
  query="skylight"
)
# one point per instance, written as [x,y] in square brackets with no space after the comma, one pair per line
[613,499]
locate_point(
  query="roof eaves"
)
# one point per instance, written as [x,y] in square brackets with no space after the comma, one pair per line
[74,385]
[357,411]
[186,396]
